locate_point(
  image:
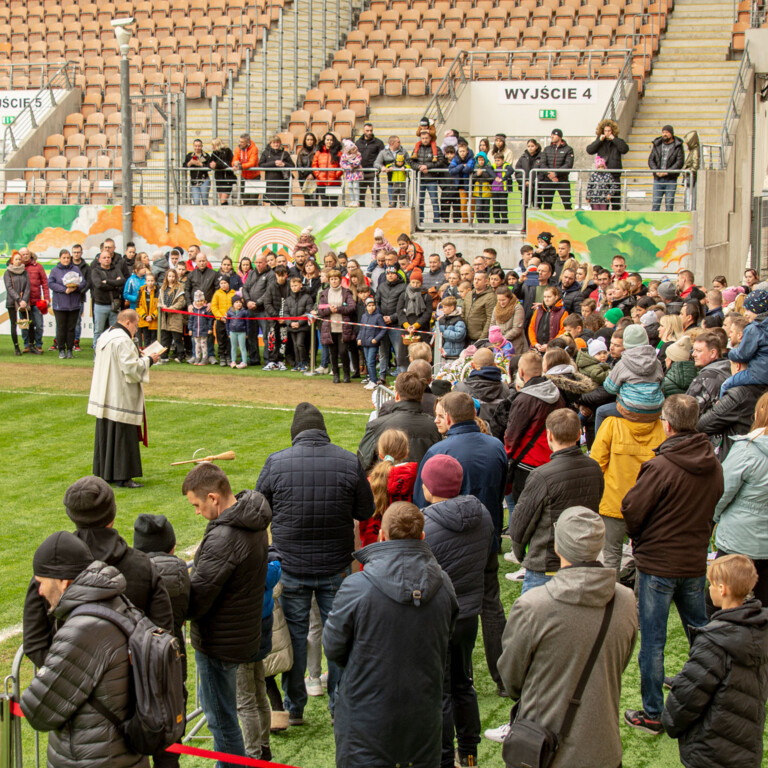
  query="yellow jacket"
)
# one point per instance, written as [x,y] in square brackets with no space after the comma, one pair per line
[620,448]
[221,302]
[146,308]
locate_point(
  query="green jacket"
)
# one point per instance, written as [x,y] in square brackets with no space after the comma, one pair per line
[678,378]
[591,367]
[477,313]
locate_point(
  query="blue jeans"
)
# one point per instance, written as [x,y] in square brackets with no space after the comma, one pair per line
[218,698]
[36,316]
[661,188]
[371,359]
[534,579]
[79,326]
[655,595]
[297,603]
[393,340]
[429,185]
[103,317]
[603,412]
[199,192]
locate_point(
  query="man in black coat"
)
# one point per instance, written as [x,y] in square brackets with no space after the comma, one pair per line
[90,504]
[201,278]
[274,305]
[389,631]
[317,492]
[666,160]
[730,416]
[254,293]
[388,298]
[406,415]
[369,147]
[569,479]
[558,156]
[227,592]
[107,284]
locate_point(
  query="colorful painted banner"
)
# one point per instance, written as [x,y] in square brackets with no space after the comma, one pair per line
[650,242]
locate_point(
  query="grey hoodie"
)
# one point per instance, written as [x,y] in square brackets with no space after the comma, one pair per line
[549,634]
[546,391]
[638,365]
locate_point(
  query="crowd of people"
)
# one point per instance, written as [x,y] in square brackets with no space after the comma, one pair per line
[613,429]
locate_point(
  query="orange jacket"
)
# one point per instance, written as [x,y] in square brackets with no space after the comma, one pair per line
[556,316]
[248,158]
[325,159]
[415,253]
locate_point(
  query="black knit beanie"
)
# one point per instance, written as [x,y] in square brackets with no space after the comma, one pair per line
[90,502]
[306,417]
[153,533]
[61,556]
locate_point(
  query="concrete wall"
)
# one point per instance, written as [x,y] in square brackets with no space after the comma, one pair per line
[52,123]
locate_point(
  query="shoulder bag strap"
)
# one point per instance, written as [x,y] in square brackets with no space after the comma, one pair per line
[520,456]
[584,679]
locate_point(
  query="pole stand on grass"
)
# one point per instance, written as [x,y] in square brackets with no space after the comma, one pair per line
[311,371]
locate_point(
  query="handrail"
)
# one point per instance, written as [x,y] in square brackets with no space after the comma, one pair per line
[740,86]
[25,121]
[620,91]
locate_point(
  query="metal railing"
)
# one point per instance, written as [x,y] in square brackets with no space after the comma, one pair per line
[620,91]
[62,79]
[740,87]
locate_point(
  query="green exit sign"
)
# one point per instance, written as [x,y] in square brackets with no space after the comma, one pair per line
[547,114]
[7,119]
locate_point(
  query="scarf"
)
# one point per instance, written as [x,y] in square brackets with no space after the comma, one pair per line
[503,315]
[415,306]
[17,269]
[336,298]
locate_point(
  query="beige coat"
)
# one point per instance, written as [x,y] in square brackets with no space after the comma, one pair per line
[172,322]
[280,658]
[514,329]
[118,374]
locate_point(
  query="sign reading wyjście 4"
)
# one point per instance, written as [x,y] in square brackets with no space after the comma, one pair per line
[549,92]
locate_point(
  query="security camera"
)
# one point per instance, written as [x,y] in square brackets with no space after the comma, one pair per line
[122,33]
[125,22]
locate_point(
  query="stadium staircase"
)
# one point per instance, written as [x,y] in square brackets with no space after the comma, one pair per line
[691,80]
[397,116]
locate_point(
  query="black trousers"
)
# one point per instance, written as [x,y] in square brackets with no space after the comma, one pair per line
[460,711]
[492,616]
[339,347]
[147,336]
[252,341]
[13,318]
[547,191]
[370,181]
[299,339]
[500,202]
[223,340]
[174,342]
[66,322]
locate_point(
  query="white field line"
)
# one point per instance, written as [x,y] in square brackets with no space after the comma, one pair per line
[9,632]
[179,402]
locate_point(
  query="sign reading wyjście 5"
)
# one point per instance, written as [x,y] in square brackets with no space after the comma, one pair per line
[549,92]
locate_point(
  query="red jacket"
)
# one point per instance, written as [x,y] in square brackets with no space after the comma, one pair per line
[325,159]
[400,482]
[38,281]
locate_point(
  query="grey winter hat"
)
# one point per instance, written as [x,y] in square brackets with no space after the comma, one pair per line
[680,351]
[90,502]
[61,556]
[668,128]
[635,336]
[306,417]
[667,291]
[579,535]
[153,533]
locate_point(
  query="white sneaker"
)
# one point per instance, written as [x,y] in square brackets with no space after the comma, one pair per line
[510,557]
[516,576]
[320,369]
[314,686]
[497,734]
[371,385]
[282,367]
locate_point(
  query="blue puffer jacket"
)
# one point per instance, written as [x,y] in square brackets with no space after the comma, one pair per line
[366,334]
[63,301]
[461,170]
[753,350]
[742,512]
[317,491]
[236,322]
[200,325]
[133,286]
[454,331]
[459,532]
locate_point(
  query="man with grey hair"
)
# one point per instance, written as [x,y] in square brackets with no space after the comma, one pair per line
[387,160]
[562,619]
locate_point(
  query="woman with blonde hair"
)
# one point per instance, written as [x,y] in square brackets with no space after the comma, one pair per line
[221,164]
[392,479]
[670,330]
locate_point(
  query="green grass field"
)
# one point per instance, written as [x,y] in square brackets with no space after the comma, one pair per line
[47,439]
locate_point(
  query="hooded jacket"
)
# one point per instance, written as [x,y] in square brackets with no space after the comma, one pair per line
[454,331]
[716,705]
[546,323]
[228,581]
[620,448]
[592,367]
[706,386]
[570,478]
[174,574]
[408,416]
[559,622]
[459,532]
[730,416]
[388,297]
[636,380]
[742,511]
[571,384]
[675,160]
[527,413]
[484,384]
[610,150]
[317,491]
[389,631]
[552,156]
[753,350]
[297,305]
[367,332]
[669,510]
[88,660]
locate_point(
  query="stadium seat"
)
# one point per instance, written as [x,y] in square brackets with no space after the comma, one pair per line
[394,82]
[54,145]
[418,81]
[321,122]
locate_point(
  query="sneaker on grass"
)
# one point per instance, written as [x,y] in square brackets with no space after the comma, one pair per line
[314,686]
[497,734]
[518,575]
[636,718]
[510,557]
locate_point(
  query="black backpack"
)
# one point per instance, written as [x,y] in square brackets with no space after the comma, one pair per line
[159,718]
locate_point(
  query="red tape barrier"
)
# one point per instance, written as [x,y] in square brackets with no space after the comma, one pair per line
[301,317]
[208,754]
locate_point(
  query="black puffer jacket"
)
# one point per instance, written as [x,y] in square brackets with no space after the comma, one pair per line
[675,160]
[569,479]
[228,581]
[460,534]
[388,297]
[716,707]
[296,305]
[317,491]
[144,588]
[556,157]
[255,287]
[201,280]
[389,630]
[408,416]
[706,386]
[88,658]
[274,297]
[175,575]
[730,416]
